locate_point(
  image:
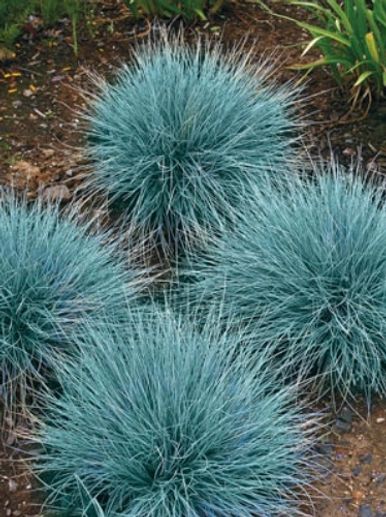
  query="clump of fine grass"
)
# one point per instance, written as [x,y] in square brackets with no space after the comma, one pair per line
[305,271]
[53,274]
[182,135]
[162,420]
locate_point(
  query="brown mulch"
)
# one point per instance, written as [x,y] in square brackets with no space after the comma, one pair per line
[18,490]
[39,138]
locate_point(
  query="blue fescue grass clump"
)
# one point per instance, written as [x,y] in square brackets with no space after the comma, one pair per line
[305,270]
[183,133]
[160,420]
[53,274]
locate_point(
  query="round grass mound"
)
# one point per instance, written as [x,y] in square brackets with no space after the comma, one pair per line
[182,134]
[163,421]
[305,270]
[53,274]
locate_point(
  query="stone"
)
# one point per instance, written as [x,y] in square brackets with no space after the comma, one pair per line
[365,511]
[342,426]
[379,478]
[57,193]
[12,485]
[366,459]
[356,470]
[344,419]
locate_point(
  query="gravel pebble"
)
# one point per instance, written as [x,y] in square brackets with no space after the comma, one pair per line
[365,511]
[57,193]
[12,485]
[356,470]
[366,459]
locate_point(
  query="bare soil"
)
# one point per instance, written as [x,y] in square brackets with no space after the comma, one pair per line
[18,490]
[356,449]
[39,140]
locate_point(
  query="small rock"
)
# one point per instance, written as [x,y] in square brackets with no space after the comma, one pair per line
[366,459]
[57,193]
[12,485]
[356,470]
[379,478]
[8,512]
[346,414]
[343,426]
[48,153]
[16,513]
[349,151]
[58,78]
[365,511]
[28,93]
[325,449]
[343,421]
[380,420]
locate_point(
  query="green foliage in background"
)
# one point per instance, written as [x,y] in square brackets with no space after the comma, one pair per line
[14,14]
[189,9]
[351,36]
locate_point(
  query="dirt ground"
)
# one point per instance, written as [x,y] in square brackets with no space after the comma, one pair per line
[39,140]
[355,451]
[18,490]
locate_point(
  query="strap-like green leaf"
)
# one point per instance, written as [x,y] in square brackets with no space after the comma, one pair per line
[310,5]
[311,44]
[318,31]
[379,33]
[200,14]
[342,15]
[318,62]
[371,45]
[362,78]
[380,12]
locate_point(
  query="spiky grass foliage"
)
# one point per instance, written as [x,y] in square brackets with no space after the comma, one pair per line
[163,421]
[183,133]
[53,274]
[306,271]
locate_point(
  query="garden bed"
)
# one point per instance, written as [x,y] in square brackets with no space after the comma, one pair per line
[40,91]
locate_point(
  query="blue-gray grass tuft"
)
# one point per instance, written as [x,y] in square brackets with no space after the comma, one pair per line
[181,136]
[53,274]
[162,421]
[305,270]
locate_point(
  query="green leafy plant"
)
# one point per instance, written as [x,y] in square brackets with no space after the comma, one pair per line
[14,13]
[189,9]
[351,36]
[9,34]
[53,10]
